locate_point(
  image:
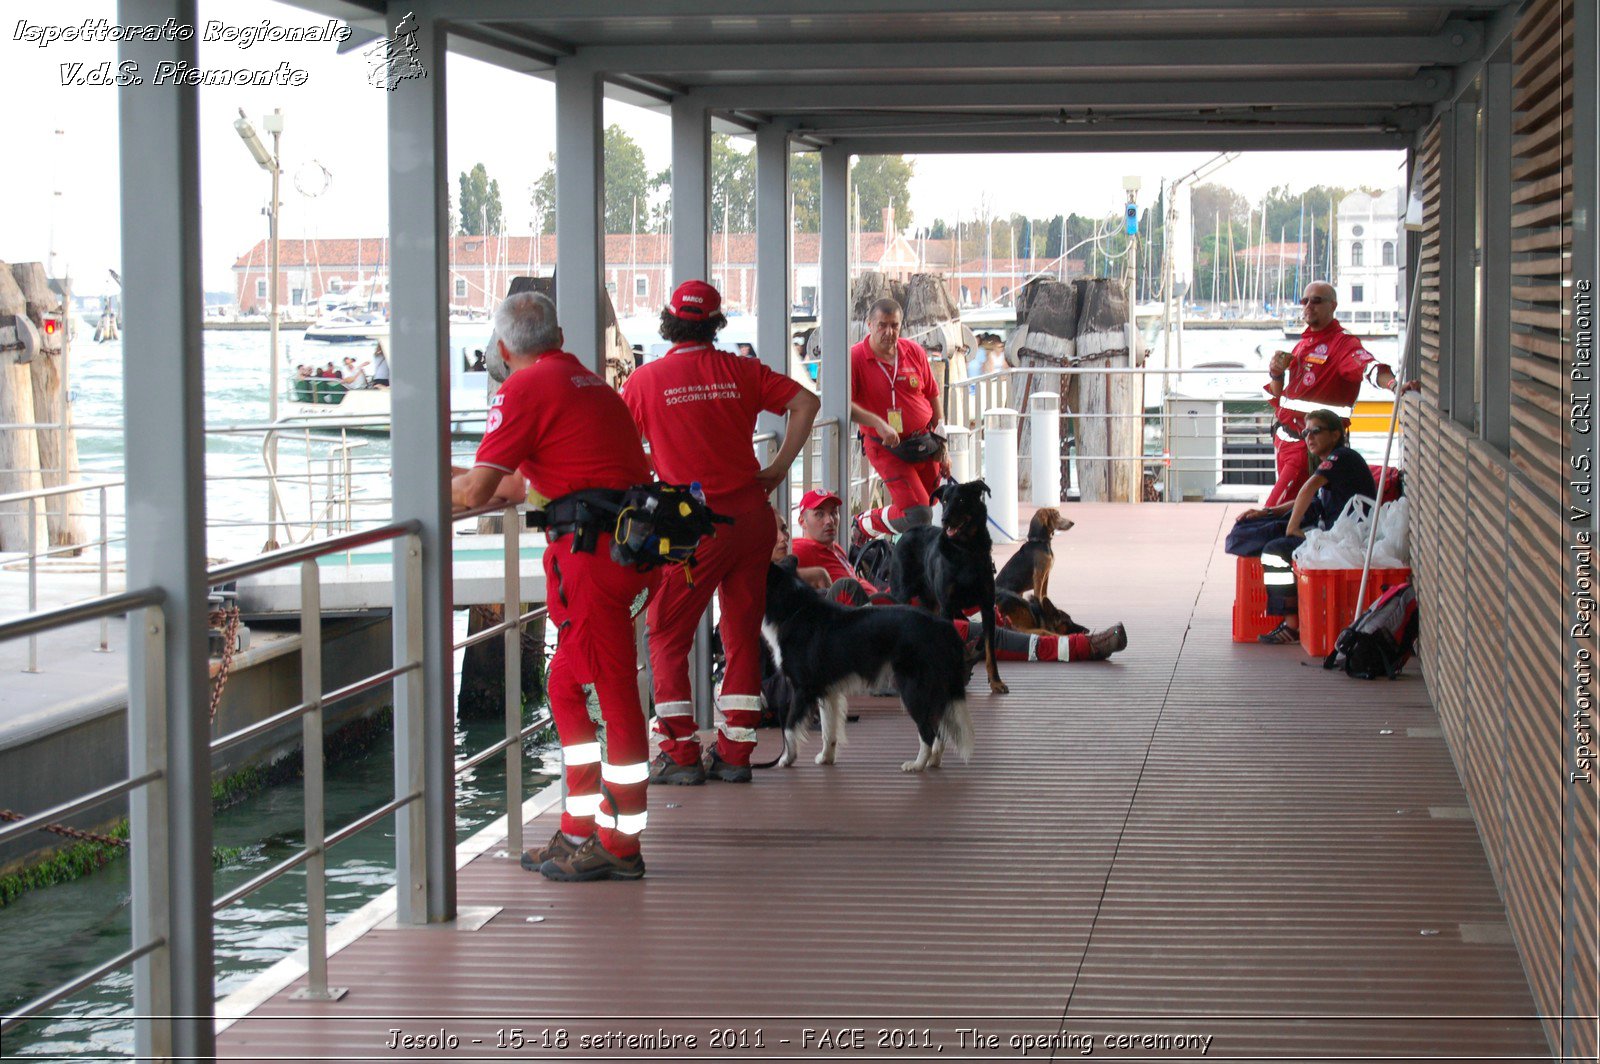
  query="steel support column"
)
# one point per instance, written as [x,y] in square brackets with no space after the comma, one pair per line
[425,835]
[691,259]
[833,317]
[580,211]
[164,418]
[691,190]
[772,266]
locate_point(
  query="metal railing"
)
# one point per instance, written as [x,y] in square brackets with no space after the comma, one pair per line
[309,711]
[513,619]
[32,500]
[146,773]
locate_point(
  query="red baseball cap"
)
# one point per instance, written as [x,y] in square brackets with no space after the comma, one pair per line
[813,499]
[694,301]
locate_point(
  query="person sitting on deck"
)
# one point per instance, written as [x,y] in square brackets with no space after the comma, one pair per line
[818,551]
[1339,473]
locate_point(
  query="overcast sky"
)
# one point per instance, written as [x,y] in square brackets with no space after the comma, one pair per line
[506,121]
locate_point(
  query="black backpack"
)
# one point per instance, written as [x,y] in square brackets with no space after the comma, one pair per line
[872,562]
[1380,641]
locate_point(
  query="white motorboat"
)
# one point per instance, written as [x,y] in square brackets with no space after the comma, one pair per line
[349,326]
[324,398]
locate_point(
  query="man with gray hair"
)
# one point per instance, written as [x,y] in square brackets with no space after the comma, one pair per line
[562,427]
[895,399]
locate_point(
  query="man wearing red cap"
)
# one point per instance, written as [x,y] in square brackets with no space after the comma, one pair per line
[893,395]
[697,406]
[560,426]
[1325,370]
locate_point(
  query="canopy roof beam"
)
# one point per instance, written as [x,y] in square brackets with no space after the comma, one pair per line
[1458,42]
[1429,86]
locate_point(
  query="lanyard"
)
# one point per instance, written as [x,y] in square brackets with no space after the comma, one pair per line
[893,391]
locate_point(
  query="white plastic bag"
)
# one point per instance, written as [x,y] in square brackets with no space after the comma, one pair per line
[1342,545]
[1394,535]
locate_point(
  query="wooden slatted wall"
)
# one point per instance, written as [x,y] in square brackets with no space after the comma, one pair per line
[1488,551]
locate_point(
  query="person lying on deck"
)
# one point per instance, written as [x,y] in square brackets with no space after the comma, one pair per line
[824,566]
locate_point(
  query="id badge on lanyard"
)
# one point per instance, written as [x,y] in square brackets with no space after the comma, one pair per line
[896,420]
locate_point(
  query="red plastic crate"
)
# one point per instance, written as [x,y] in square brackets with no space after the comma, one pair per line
[1328,602]
[1250,602]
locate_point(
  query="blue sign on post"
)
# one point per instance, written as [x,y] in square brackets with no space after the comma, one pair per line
[1131,212]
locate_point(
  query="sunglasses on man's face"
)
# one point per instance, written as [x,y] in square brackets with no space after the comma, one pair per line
[1312,299]
[1312,430]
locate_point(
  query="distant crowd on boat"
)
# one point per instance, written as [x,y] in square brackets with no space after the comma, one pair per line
[326,384]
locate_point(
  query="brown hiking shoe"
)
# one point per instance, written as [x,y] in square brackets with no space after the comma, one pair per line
[665,770]
[558,846]
[592,861]
[1107,641]
[718,769]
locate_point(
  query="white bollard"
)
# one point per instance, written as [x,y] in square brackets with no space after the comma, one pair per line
[959,442]
[1000,467]
[1044,410]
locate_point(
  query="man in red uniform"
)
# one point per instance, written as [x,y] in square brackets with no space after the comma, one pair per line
[817,548]
[893,394]
[697,406]
[1325,370]
[566,431]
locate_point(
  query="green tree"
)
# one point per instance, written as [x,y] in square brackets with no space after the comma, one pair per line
[479,203]
[805,185]
[628,181]
[733,178]
[1210,203]
[939,230]
[544,198]
[1052,240]
[882,181]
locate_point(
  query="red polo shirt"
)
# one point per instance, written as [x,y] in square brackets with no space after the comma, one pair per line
[1325,369]
[697,406]
[907,382]
[827,556]
[563,428]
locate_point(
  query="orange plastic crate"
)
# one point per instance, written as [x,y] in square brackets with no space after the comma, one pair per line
[1328,602]
[1250,602]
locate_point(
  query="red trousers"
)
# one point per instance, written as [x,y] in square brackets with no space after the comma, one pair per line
[733,564]
[909,485]
[1294,469]
[589,598]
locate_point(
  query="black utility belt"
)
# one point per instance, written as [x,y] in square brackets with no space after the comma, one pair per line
[1286,433]
[584,515]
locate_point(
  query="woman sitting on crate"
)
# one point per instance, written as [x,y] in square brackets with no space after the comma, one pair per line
[1338,474]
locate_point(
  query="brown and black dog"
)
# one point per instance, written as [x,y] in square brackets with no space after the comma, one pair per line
[1033,616]
[1029,568]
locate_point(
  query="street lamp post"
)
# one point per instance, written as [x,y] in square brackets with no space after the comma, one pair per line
[270,162]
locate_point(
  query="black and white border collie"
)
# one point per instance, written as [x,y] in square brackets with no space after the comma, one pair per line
[829,651]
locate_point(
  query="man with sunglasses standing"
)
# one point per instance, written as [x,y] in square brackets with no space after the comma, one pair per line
[1324,371]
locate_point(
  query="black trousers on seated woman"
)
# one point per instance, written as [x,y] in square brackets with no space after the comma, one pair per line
[1277,573]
